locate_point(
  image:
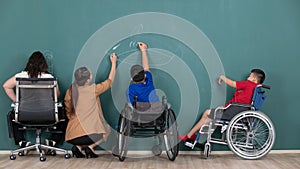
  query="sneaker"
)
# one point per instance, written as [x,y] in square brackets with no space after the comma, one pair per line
[24,144]
[186,138]
[52,144]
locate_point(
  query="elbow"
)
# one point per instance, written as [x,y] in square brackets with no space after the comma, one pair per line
[4,86]
[233,84]
[111,80]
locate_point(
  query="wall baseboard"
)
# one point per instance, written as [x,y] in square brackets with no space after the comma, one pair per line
[180,152]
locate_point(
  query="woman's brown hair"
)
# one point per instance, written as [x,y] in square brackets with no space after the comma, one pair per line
[36,65]
[81,75]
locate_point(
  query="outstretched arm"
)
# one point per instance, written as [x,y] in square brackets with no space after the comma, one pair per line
[113,59]
[228,81]
[145,61]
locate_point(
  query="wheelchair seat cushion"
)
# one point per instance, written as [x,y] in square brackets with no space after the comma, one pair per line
[146,112]
[149,107]
[227,114]
[149,122]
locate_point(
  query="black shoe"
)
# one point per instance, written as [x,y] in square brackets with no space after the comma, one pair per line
[50,143]
[89,153]
[190,140]
[76,152]
[24,144]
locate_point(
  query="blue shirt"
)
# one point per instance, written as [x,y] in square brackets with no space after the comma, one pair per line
[144,91]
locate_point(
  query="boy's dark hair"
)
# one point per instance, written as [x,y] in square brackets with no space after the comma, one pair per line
[260,75]
[139,77]
[137,73]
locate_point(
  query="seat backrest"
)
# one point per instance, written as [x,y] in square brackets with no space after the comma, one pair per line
[36,100]
[146,112]
[259,96]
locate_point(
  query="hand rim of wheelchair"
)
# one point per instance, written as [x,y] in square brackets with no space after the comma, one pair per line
[122,147]
[172,149]
[247,150]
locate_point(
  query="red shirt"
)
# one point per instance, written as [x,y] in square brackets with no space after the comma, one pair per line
[243,93]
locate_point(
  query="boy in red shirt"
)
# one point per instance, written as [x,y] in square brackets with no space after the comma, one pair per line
[243,94]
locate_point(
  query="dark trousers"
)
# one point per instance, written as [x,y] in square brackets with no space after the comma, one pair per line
[86,140]
[16,131]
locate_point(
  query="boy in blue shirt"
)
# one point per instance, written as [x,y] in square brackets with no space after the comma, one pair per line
[142,84]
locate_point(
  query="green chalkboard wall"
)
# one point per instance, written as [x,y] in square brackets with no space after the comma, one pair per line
[190,44]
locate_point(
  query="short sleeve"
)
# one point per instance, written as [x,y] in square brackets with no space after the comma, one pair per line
[148,76]
[241,85]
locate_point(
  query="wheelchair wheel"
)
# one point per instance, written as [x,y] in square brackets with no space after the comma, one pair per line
[171,136]
[156,150]
[123,136]
[250,135]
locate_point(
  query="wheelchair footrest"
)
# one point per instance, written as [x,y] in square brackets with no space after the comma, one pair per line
[194,144]
[189,144]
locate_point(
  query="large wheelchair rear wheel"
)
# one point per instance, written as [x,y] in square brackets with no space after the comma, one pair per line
[171,136]
[250,134]
[123,137]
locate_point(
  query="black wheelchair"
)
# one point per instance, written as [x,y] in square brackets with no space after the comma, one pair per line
[250,134]
[148,119]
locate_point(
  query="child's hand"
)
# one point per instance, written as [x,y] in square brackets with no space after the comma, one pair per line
[113,58]
[221,79]
[142,46]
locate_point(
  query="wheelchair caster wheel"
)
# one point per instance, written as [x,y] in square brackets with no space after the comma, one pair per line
[207,150]
[12,157]
[42,158]
[121,159]
[21,153]
[115,151]
[67,156]
[156,150]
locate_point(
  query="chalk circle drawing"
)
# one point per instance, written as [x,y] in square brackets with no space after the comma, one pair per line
[108,39]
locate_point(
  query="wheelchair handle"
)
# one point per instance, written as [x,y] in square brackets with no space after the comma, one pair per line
[134,101]
[266,87]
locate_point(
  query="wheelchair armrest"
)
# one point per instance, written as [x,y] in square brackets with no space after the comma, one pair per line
[168,105]
[239,104]
[129,105]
